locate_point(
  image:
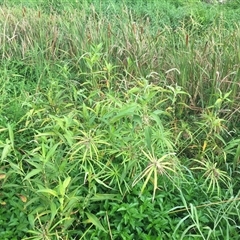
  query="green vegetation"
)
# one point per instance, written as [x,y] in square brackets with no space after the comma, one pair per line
[119,120]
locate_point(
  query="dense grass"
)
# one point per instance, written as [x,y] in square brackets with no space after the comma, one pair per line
[119,121]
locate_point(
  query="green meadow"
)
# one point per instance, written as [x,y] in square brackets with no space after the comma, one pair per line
[119,120]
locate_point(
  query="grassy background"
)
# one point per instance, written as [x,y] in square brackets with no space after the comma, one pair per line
[118,118]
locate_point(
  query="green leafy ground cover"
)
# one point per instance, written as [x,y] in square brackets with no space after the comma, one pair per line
[119,120]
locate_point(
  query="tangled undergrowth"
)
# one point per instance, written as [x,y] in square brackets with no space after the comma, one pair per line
[119,124]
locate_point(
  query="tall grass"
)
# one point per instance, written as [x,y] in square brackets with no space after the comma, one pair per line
[110,122]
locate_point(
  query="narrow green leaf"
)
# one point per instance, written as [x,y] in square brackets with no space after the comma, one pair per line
[126,111]
[51,152]
[100,197]
[6,150]
[64,185]
[95,221]
[31,220]
[11,135]
[48,191]
[148,137]
[16,168]
[102,183]
[66,182]
[155,183]
[53,211]
[156,118]
[147,179]
[32,173]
